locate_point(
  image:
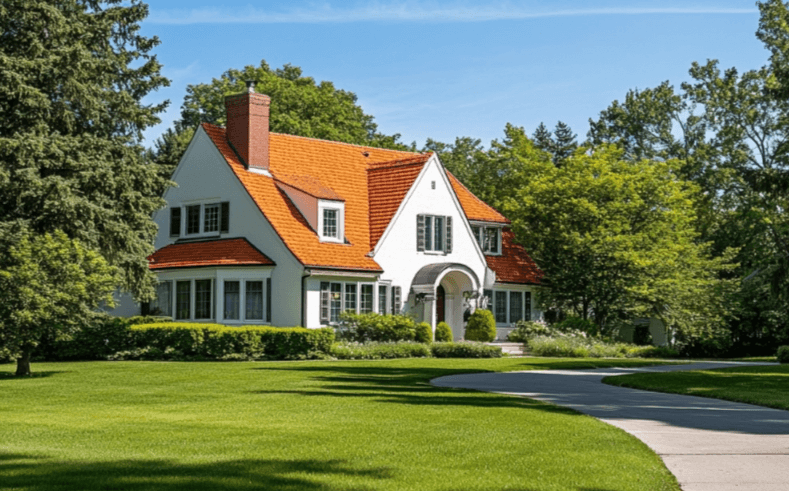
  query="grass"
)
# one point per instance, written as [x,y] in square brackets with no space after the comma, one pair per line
[371,425]
[761,385]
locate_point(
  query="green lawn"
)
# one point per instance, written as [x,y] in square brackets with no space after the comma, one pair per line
[303,426]
[764,386]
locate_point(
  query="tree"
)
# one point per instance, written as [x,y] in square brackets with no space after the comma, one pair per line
[299,106]
[49,284]
[616,239]
[73,74]
[543,139]
[565,143]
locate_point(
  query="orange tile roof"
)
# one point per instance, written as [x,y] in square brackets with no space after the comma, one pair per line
[388,183]
[338,166]
[514,265]
[475,208]
[222,252]
[309,185]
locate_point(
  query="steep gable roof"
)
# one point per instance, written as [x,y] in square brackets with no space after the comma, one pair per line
[388,183]
[340,167]
[475,208]
[222,252]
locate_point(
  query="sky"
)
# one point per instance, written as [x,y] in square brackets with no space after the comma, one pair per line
[427,69]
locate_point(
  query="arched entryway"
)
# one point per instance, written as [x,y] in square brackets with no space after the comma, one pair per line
[444,292]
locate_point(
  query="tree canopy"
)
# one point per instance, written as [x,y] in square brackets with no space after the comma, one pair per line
[73,74]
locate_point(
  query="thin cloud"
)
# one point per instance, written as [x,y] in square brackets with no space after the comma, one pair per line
[406,12]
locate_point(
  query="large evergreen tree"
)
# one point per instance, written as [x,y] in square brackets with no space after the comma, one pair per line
[73,74]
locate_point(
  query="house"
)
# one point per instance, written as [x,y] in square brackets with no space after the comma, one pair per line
[284,230]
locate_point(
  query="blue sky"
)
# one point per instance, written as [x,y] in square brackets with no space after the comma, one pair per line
[451,68]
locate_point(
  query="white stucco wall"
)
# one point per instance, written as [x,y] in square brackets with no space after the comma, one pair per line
[397,253]
[204,176]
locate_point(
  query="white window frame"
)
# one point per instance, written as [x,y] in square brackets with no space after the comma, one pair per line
[526,307]
[242,299]
[357,306]
[202,204]
[339,206]
[432,220]
[483,227]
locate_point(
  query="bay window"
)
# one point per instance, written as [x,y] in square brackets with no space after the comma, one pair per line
[254,300]
[232,300]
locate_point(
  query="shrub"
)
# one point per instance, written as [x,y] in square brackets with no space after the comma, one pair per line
[525,330]
[362,328]
[577,324]
[379,351]
[443,333]
[96,340]
[423,333]
[465,350]
[481,326]
[580,347]
[783,354]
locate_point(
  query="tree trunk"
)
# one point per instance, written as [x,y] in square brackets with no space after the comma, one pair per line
[23,364]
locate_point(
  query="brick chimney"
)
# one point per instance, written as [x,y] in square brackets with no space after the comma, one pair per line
[247,127]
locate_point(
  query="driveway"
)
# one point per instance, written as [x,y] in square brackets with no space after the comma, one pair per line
[710,445]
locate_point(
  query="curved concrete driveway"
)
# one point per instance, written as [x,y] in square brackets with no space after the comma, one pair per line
[710,445]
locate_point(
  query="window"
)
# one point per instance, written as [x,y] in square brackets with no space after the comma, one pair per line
[516,307]
[232,300]
[350,297]
[488,238]
[500,304]
[193,219]
[434,233]
[325,302]
[203,299]
[382,299]
[330,225]
[366,300]
[336,301]
[162,304]
[175,222]
[396,299]
[211,218]
[254,300]
[183,305]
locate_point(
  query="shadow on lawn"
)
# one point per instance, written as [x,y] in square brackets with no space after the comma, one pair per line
[401,385]
[5,376]
[38,474]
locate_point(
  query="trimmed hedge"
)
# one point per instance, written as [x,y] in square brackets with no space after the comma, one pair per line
[443,333]
[380,351]
[216,342]
[481,326]
[782,354]
[465,350]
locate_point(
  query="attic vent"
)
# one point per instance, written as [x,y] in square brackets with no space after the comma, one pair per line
[366,154]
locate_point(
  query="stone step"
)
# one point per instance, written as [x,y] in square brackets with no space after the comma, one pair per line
[514,349]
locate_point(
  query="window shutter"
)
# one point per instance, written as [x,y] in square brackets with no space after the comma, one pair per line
[396,300]
[527,305]
[325,296]
[420,233]
[175,222]
[224,221]
[268,297]
[448,241]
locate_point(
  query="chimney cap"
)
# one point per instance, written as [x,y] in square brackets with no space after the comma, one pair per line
[251,86]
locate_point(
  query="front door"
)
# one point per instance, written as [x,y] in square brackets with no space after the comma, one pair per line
[440,304]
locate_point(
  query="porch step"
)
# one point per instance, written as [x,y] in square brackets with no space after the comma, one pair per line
[512,349]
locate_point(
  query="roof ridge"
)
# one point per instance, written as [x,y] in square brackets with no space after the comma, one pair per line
[342,143]
[388,164]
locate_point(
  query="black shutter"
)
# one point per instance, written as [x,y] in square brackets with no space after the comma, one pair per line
[420,233]
[268,296]
[448,241]
[175,222]
[527,304]
[325,311]
[224,222]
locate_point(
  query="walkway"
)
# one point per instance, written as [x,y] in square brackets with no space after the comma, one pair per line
[710,445]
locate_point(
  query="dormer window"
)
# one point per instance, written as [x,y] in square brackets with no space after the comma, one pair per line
[488,238]
[331,227]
